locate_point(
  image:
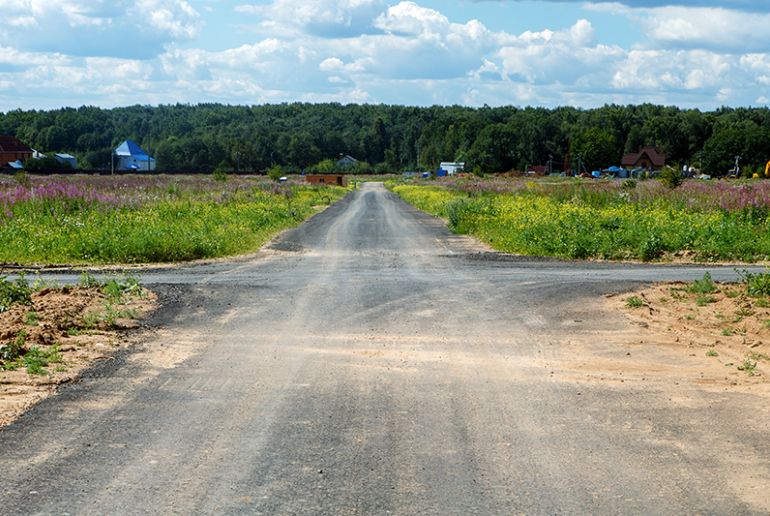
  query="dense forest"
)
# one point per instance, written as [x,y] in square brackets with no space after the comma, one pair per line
[208,137]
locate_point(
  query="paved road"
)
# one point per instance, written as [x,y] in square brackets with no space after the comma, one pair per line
[372,363]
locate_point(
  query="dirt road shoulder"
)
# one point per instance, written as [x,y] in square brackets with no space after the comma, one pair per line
[50,335]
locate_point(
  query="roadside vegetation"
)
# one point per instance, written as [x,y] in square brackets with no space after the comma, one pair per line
[608,219]
[730,320]
[38,319]
[135,219]
[50,333]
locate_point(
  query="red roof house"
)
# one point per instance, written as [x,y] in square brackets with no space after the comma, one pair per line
[647,157]
[11,149]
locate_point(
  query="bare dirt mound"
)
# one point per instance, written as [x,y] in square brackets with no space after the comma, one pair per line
[720,322]
[61,332]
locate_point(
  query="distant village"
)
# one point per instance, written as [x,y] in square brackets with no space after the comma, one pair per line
[16,155]
[130,157]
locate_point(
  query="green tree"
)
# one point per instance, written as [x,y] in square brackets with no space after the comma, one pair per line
[595,146]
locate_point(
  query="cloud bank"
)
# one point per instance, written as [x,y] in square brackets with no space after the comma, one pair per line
[71,52]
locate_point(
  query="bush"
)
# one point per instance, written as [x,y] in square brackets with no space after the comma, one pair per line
[651,248]
[275,172]
[14,292]
[671,177]
[220,173]
[756,284]
[704,285]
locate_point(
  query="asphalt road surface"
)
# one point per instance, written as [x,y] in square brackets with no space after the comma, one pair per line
[373,363]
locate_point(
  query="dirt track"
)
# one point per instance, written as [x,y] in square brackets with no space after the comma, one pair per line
[373,363]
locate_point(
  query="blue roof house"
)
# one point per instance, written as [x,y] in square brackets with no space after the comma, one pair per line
[130,156]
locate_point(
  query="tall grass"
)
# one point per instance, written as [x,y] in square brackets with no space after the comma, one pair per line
[139,220]
[609,220]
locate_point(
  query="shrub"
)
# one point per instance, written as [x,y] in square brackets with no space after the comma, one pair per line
[651,248]
[671,177]
[756,284]
[14,292]
[275,172]
[11,351]
[705,285]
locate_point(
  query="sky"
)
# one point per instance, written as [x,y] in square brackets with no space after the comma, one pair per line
[695,53]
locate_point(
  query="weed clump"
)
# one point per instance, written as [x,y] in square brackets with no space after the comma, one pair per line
[31,337]
[14,292]
[671,177]
[757,284]
[703,286]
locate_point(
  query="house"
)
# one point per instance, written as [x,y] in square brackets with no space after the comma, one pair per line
[347,161]
[11,149]
[67,159]
[130,156]
[451,168]
[327,179]
[648,158]
[536,170]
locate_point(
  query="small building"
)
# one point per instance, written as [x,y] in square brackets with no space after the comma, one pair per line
[451,168]
[327,179]
[11,149]
[347,161]
[536,170]
[130,156]
[649,158]
[67,160]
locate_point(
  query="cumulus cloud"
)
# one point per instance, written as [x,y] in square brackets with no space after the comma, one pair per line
[116,28]
[372,51]
[746,5]
[692,26]
[329,19]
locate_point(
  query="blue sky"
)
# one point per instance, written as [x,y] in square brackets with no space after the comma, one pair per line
[697,53]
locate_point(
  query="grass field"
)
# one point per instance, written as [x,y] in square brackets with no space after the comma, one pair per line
[136,219]
[701,221]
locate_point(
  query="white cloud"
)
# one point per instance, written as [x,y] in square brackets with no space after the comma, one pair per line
[712,28]
[365,51]
[410,18]
[560,56]
[120,28]
[716,26]
[328,18]
[673,69]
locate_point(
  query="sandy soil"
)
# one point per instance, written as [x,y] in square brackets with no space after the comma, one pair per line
[56,318]
[727,332]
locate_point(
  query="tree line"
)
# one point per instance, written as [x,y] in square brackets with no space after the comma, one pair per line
[210,137]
